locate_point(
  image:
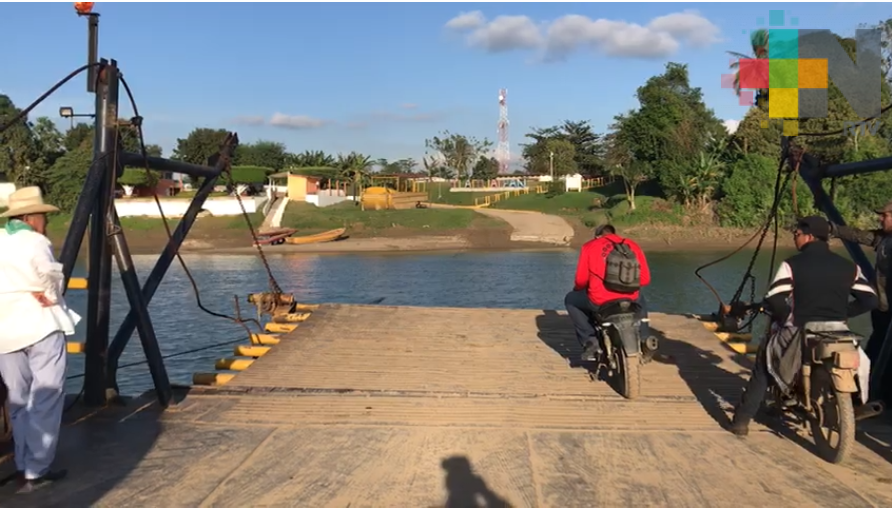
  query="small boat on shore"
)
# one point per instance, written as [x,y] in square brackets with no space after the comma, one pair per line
[274,236]
[326,236]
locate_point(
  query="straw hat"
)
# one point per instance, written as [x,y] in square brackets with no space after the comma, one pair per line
[27,201]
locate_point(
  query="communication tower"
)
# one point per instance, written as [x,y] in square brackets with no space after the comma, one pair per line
[503,150]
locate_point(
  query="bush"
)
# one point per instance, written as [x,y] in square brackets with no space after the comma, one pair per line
[66,177]
[748,191]
[555,188]
[858,196]
[249,174]
[648,210]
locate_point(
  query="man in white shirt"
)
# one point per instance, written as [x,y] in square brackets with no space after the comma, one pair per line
[34,320]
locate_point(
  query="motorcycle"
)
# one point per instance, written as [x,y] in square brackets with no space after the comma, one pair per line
[822,397]
[623,351]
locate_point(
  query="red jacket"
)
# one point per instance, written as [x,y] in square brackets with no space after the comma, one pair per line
[593,263]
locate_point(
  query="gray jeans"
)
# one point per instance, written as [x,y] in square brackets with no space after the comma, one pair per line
[582,312]
[35,377]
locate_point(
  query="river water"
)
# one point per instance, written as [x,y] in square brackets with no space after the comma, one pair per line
[530,280]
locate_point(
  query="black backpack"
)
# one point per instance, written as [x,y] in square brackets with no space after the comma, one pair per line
[623,271]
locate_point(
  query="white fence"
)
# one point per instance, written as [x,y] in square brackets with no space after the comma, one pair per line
[5,190]
[178,207]
[327,197]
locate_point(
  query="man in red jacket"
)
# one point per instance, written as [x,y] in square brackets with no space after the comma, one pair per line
[589,291]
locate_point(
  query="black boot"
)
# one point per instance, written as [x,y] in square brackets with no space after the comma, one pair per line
[591,352]
[738,426]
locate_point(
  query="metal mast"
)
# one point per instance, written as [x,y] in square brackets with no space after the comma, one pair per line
[503,150]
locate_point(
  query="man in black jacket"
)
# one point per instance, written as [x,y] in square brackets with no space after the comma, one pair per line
[820,283]
[881,241]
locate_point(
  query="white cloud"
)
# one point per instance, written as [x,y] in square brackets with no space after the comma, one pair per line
[555,40]
[296,122]
[731,125]
[690,27]
[506,33]
[466,21]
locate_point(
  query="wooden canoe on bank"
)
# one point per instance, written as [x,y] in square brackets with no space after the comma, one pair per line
[327,236]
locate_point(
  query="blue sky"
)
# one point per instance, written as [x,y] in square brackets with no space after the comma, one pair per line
[380,78]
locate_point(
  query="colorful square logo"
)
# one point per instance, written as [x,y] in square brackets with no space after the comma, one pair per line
[795,69]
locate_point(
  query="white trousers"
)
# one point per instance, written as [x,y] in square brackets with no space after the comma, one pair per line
[35,377]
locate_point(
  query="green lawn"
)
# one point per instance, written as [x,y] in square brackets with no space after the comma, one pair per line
[597,206]
[570,203]
[307,217]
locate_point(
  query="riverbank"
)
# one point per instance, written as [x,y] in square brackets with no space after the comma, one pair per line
[661,238]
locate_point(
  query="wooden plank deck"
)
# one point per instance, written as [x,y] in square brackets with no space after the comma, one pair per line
[374,406]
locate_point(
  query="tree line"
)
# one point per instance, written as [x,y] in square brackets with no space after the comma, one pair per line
[676,144]
[38,153]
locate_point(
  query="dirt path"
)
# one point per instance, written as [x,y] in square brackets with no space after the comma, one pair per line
[530,226]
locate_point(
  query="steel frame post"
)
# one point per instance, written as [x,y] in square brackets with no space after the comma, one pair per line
[96,208]
[99,278]
[125,331]
[139,306]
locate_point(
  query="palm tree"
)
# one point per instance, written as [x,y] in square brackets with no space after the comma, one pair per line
[317,158]
[759,43]
[354,166]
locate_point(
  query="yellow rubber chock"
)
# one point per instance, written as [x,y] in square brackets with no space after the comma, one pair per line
[251,351]
[77,283]
[279,327]
[295,317]
[264,339]
[710,325]
[233,364]
[211,378]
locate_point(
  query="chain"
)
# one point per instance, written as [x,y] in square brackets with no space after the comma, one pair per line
[273,284]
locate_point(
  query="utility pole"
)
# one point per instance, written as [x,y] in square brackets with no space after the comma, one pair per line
[551,164]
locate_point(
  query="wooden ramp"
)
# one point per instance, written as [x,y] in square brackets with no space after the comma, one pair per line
[374,406]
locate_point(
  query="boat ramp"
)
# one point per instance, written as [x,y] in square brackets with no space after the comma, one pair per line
[377,406]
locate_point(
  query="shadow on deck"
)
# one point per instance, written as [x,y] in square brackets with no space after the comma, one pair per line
[99,448]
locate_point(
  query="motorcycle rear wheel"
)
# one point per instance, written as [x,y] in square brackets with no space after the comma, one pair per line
[630,378]
[833,413]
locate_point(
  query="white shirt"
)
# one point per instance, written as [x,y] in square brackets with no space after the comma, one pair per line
[27,266]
